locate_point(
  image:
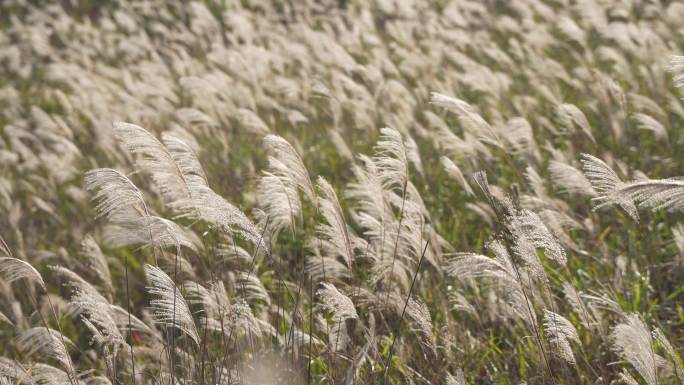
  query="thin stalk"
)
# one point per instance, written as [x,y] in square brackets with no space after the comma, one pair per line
[532,318]
[130,328]
[396,242]
[521,284]
[61,334]
[403,311]
[308,375]
[47,328]
[586,317]
[31,295]
[256,251]
[173,333]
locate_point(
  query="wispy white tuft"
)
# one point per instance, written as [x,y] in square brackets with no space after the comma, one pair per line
[459,379]
[251,122]
[455,172]
[656,193]
[627,378]
[560,333]
[49,375]
[469,118]
[575,301]
[214,209]
[342,308]
[151,231]
[367,192]
[569,116]
[97,261]
[466,266]
[153,157]
[201,202]
[671,352]
[14,269]
[97,311]
[11,369]
[121,317]
[607,184]
[169,308]
[418,314]
[118,199]
[632,341]
[570,179]
[5,319]
[647,122]
[278,197]
[46,341]
[253,288]
[283,151]
[527,226]
[392,158]
[335,235]
[677,67]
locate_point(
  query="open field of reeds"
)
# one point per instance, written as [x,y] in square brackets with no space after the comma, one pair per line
[341,192]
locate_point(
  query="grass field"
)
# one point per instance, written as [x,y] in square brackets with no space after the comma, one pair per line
[342,192]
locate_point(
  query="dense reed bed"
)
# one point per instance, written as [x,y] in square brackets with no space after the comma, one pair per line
[341,192]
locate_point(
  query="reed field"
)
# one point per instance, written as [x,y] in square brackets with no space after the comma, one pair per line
[341,192]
